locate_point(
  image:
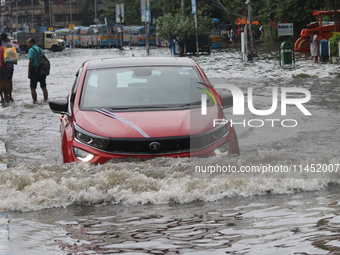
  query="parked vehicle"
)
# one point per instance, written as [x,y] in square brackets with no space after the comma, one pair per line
[215,38]
[109,36]
[160,42]
[203,45]
[84,36]
[63,34]
[137,35]
[325,28]
[74,37]
[46,40]
[142,107]
[127,35]
[94,36]
[152,35]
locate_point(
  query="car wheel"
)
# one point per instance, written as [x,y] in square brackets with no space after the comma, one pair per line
[55,48]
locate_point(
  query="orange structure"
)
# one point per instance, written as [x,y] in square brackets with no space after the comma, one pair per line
[243,21]
[325,29]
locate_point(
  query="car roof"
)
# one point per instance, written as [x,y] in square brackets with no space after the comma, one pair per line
[139,61]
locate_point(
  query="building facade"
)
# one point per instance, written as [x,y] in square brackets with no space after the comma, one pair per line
[23,15]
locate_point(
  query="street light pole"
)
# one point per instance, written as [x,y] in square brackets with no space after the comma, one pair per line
[50,12]
[96,21]
[146,29]
[32,14]
[16,10]
[120,25]
[95,9]
[71,24]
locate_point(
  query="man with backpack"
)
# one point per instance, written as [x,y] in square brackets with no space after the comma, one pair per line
[33,75]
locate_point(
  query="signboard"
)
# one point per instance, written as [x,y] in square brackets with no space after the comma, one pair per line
[143,12]
[193,6]
[119,12]
[147,17]
[32,30]
[105,21]
[285,29]
[71,26]
[96,21]
[142,9]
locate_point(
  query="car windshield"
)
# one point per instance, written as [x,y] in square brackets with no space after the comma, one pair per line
[142,88]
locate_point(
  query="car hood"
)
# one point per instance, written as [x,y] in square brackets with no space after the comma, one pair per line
[151,123]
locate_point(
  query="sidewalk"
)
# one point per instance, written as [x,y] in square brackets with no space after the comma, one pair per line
[4,235]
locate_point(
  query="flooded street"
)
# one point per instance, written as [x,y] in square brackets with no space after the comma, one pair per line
[160,206]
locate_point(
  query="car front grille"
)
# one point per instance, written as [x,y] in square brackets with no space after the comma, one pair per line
[163,145]
[149,145]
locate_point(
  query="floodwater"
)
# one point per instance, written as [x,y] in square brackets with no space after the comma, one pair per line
[157,206]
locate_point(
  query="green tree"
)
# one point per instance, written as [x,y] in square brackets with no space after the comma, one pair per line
[181,27]
[86,12]
[299,12]
[334,44]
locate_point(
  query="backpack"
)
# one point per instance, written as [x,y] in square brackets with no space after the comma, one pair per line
[10,55]
[43,68]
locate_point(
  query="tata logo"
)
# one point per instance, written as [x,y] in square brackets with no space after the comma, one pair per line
[286,99]
[155,146]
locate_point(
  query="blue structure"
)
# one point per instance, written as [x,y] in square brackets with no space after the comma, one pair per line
[109,35]
[136,35]
[43,29]
[215,38]
[324,55]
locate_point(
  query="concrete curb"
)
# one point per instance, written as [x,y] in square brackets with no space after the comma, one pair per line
[4,233]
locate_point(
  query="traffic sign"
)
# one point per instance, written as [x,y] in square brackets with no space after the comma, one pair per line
[32,30]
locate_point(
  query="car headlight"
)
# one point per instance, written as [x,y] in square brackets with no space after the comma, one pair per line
[90,139]
[205,139]
[82,155]
[220,132]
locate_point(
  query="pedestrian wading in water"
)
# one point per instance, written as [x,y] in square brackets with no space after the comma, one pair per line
[314,46]
[32,70]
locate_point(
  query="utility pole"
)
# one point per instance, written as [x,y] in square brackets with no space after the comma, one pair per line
[193,6]
[250,18]
[120,25]
[182,2]
[16,10]
[96,20]
[147,27]
[71,24]
[50,12]
[32,14]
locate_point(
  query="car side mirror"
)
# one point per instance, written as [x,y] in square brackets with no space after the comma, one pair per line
[227,99]
[59,105]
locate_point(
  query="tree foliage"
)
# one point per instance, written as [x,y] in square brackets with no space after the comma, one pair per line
[299,12]
[181,28]
[335,44]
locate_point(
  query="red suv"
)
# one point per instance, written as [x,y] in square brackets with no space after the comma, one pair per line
[143,107]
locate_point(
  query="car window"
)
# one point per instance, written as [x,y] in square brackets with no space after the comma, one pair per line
[142,87]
